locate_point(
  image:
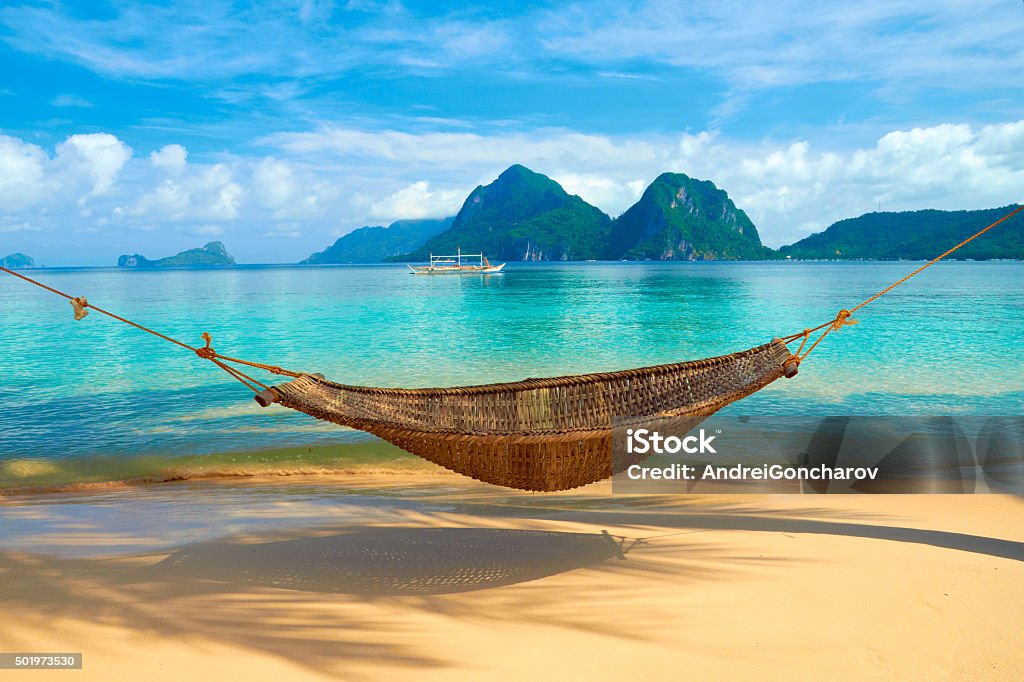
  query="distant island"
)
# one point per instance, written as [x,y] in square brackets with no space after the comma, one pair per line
[681,218]
[374,244]
[212,254]
[17,260]
[527,216]
[913,235]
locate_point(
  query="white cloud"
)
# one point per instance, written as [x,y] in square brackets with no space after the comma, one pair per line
[290,193]
[214,40]
[464,149]
[284,232]
[71,101]
[208,230]
[84,167]
[226,194]
[791,42]
[93,160]
[22,172]
[465,40]
[170,158]
[419,201]
[23,226]
[747,45]
[274,183]
[206,193]
[601,190]
[169,200]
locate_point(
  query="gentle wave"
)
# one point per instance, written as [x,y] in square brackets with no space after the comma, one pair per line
[29,475]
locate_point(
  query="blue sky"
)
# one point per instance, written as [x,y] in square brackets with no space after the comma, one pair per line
[277,127]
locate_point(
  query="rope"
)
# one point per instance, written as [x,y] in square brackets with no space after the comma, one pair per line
[206,352]
[843,318]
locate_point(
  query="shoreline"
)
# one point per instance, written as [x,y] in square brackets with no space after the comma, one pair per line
[224,476]
[38,475]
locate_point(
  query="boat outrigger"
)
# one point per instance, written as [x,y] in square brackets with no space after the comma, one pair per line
[456,265]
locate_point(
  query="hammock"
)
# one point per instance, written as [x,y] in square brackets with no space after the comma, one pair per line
[537,434]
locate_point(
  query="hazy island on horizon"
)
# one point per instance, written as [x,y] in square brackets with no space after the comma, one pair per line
[212,254]
[17,261]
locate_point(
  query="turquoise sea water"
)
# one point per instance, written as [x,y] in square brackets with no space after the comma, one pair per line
[84,400]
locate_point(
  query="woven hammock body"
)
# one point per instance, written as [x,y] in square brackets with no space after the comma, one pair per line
[537,434]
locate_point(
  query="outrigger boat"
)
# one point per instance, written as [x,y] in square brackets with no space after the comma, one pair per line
[456,265]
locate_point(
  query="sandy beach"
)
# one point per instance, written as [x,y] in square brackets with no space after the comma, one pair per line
[437,577]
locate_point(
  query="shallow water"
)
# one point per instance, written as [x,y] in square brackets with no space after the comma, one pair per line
[87,400]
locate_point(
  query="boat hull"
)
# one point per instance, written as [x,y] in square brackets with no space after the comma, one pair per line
[456,270]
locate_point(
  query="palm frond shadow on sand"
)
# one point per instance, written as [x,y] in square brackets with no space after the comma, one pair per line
[219,590]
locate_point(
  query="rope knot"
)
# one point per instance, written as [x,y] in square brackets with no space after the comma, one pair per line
[80,304]
[206,352]
[842,320]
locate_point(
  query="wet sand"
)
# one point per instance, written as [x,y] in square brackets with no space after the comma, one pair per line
[438,577]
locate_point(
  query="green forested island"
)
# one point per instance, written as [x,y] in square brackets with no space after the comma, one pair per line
[522,216]
[212,254]
[18,260]
[374,244]
[680,218]
[914,235]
